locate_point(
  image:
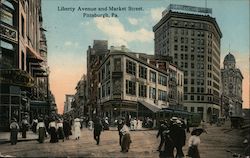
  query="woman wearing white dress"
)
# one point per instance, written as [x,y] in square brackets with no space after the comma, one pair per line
[193,144]
[77,128]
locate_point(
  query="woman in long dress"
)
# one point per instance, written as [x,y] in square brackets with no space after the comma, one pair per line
[67,129]
[41,130]
[77,128]
[60,131]
[53,131]
[126,140]
[193,144]
[14,128]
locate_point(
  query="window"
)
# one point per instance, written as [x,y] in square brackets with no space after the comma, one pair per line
[108,88]
[7,12]
[142,72]
[103,90]
[130,87]
[143,90]
[162,95]
[192,109]
[185,97]
[152,76]
[192,89]
[152,93]
[23,59]
[103,74]
[107,69]
[162,80]
[175,47]
[192,97]
[22,26]
[130,67]
[185,89]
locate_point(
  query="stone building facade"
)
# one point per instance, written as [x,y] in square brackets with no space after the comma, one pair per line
[193,42]
[130,81]
[231,78]
[24,69]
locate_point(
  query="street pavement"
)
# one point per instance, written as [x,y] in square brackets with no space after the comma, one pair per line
[144,144]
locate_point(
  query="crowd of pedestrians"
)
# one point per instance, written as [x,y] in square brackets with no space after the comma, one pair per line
[172,133]
[173,137]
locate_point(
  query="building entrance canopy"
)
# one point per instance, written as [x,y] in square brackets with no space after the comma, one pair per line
[151,107]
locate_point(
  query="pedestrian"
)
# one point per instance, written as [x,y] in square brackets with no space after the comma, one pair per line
[106,124]
[60,131]
[98,127]
[203,125]
[188,126]
[34,125]
[178,136]
[41,130]
[162,127]
[25,126]
[168,150]
[119,127]
[14,128]
[86,121]
[77,128]
[67,129]
[53,131]
[126,140]
[91,125]
[193,143]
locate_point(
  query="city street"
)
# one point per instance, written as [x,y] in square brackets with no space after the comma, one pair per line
[144,144]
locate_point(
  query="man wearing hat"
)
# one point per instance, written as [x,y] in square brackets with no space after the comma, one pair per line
[178,136]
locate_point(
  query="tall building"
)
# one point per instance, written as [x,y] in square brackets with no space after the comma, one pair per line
[23,56]
[231,78]
[192,38]
[94,56]
[68,104]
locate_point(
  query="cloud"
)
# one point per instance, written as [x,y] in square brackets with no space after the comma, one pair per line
[118,35]
[85,23]
[70,44]
[156,13]
[133,21]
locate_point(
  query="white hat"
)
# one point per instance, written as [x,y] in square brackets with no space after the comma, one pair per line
[77,120]
[178,122]
[174,119]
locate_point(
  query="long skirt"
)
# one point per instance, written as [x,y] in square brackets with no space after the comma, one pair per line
[53,135]
[60,133]
[41,134]
[13,136]
[125,144]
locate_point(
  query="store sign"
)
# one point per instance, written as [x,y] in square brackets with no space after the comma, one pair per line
[188,8]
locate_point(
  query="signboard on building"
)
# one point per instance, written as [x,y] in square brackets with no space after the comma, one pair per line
[187,8]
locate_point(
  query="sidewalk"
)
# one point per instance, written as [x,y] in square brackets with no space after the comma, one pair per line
[5,137]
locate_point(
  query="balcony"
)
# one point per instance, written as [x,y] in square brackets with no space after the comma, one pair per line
[16,77]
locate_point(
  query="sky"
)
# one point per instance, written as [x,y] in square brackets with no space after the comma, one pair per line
[69,33]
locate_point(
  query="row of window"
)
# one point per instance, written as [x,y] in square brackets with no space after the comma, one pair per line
[131,90]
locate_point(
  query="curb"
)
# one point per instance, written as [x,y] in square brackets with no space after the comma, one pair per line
[21,140]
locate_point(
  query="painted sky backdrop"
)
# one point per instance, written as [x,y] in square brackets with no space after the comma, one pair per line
[69,34]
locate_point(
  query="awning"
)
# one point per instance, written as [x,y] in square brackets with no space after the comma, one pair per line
[35,103]
[33,53]
[151,107]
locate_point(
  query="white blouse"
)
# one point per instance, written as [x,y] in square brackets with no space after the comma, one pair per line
[52,124]
[59,124]
[194,140]
[40,124]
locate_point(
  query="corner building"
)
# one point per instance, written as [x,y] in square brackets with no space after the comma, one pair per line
[193,42]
